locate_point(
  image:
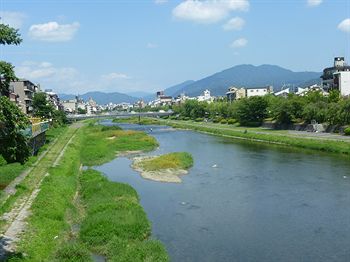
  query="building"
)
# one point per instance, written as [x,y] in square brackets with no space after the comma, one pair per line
[206,97]
[70,106]
[330,76]
[342,82]
[259,91]
[23,90]
[235,93]
[53,99]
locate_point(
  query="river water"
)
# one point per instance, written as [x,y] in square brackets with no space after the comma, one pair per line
[258,203]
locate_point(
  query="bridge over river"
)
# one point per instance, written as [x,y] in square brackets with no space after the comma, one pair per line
[76,117]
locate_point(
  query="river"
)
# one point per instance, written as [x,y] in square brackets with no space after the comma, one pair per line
[245,201]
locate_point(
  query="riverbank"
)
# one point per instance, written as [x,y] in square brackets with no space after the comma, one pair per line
[80,213]
[265,136]
[165,168]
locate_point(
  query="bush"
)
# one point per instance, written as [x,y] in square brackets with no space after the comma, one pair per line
[223,121]
[231,121]
[347,131]
[107,128]
[217,120]
[199,119]
[186,118]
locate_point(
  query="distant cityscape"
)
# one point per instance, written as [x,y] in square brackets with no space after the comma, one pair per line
[23,91]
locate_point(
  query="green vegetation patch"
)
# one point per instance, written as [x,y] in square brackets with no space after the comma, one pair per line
[136,120]
[178,160]
[101,147]
[116,225]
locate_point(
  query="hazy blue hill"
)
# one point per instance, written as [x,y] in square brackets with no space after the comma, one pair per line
[103,98]
[177,89]
[171,91]
[250,76]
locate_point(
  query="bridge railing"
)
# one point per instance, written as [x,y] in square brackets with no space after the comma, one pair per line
[36,129]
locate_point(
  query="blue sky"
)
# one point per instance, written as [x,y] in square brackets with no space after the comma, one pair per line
[147,45]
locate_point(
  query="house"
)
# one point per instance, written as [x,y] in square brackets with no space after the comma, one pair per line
[342,82]
[23,90]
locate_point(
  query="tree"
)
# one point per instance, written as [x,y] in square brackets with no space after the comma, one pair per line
[41,107]
[8,36]
[251,111]
[14,146]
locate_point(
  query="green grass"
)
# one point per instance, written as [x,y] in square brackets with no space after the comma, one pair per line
[135,120]
[178,160]
[116,225]
[101,147]
[9,172]
[49,209]
[112,222]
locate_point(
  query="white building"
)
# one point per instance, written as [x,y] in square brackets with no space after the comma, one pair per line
[258,91]
[342,81]
[70,105]
[206,97]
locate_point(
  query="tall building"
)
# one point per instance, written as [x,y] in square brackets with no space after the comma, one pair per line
[335,77]
[24,91]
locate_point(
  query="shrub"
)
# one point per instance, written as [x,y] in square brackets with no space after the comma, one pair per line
[217,120]
[231,121]
[223,121]
[186,118]
[347,131]
[107,128]
[199,119]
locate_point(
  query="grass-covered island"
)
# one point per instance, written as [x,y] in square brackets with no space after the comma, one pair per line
[164,168]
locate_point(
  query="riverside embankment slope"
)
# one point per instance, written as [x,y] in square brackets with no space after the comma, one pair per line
[69,216]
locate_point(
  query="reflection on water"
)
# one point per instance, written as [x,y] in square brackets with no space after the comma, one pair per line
[260,203]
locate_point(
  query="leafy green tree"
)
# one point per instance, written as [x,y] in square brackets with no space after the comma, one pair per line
[13,143]
[81,111]
[42,107]
[251,111]
[59,118]
[8,36]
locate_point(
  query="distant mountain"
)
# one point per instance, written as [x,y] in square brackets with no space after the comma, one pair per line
[249,76]
[103,98]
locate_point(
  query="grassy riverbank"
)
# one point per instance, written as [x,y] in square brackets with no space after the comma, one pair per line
[8,172]
[178,160]
[264,135]
[80,213]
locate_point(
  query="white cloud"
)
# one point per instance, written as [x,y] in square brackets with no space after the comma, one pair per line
[151,45]
[314,2]
[115,76]
[159,2]
[238,43]
[14,19]
[345,25]
[38,71]
[208,11]
[53,32]
[235,23]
